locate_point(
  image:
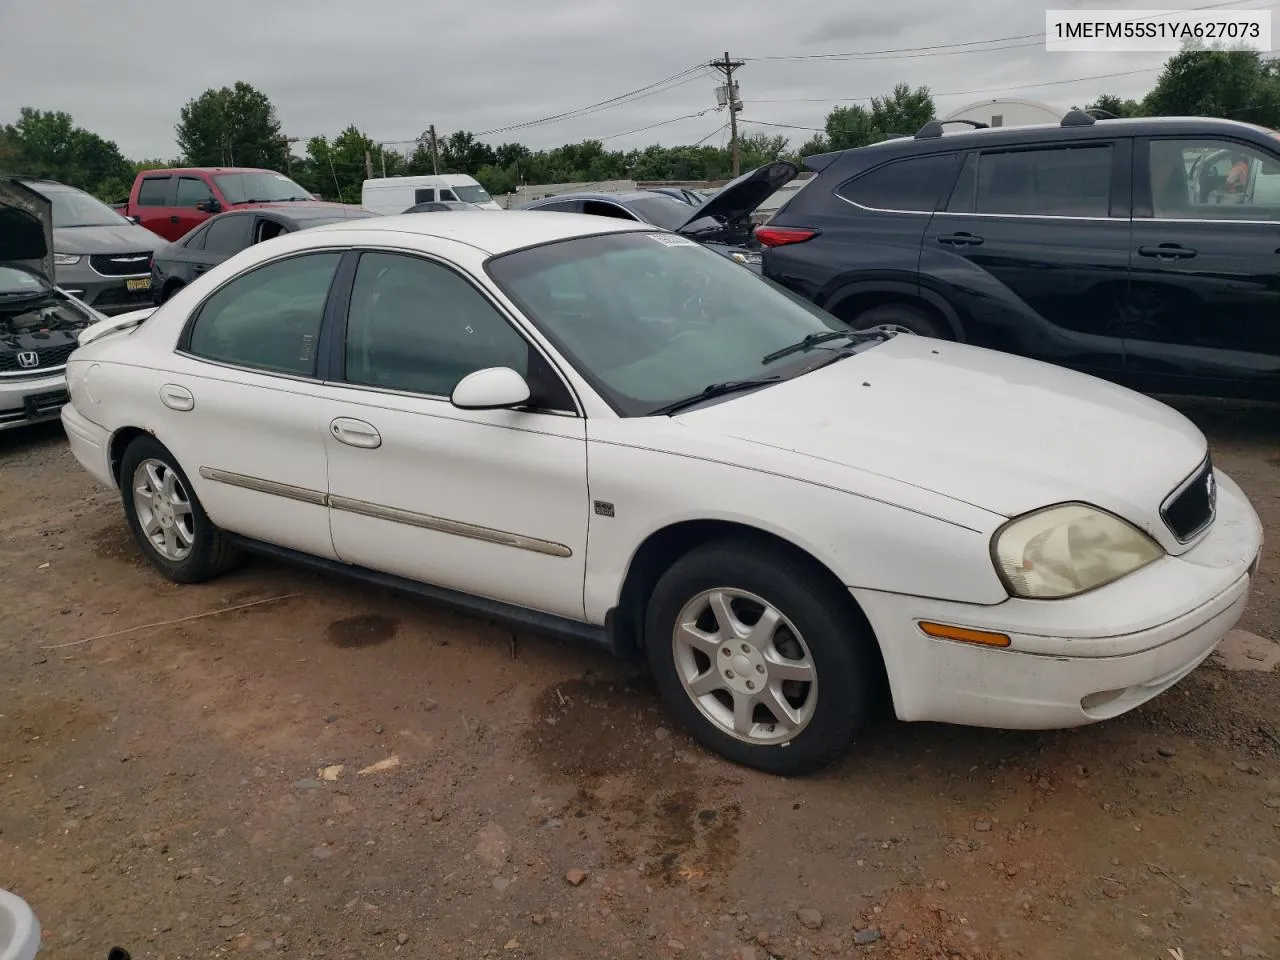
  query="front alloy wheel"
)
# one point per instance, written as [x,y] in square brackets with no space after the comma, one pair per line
[742,636]
[745,666]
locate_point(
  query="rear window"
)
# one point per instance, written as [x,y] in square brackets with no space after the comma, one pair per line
[154,192]
[1062,182]
[914,184]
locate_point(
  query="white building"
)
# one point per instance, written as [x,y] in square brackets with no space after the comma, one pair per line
[1007,113]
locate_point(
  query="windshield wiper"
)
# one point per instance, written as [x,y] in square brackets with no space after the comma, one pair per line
[813,339]
[712,391]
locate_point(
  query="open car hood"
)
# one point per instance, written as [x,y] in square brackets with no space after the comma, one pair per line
[26,227]
[738,199]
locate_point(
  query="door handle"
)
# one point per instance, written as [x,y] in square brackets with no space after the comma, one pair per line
[174,218]
[176,397]
[1167,251]
[355,433]
[961,239]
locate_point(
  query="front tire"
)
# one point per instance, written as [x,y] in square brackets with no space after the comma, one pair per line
[166,517]
[760,656]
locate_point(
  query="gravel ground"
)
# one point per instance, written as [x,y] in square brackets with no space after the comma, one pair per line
[347,773]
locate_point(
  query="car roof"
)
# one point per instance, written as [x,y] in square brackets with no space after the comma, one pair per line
[310,210]
[166,170]
[953,138]
[498,231]
[625,196]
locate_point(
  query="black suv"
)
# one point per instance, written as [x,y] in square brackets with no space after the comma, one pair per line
[1146,251]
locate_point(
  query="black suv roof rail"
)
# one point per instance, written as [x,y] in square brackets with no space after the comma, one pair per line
[933,129]
[1078,118]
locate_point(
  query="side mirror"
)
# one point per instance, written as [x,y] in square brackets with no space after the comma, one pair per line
[134,219]
[209,206]
[494,388]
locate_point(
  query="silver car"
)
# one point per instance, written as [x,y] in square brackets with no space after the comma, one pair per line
[39,324]
[99,256]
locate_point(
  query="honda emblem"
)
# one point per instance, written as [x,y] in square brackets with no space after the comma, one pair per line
[28,359]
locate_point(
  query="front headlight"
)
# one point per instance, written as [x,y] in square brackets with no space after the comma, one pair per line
[1068,549]
[66,259]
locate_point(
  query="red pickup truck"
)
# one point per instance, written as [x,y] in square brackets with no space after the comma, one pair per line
[172,202]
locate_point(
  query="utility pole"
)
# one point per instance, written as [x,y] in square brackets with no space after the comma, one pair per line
[435,150]
[727,66]
[288,154]
[368,165]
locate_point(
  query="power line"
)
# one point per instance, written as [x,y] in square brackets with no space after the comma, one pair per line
[660,123]
[719,129]
[941,49]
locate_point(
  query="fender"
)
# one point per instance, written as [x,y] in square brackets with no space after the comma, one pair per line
[908,291]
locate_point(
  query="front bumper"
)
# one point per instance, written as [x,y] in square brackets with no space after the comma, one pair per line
[107,295]
[1080,660]
[34,399]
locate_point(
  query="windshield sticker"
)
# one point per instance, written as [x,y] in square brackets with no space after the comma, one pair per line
[672,240]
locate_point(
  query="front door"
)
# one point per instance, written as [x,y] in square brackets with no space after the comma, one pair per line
[490,503]
[1035,240]
[1205,263]
[239,408]
[193,193]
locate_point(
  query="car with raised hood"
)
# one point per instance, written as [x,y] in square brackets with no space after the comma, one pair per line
[39,323]
[99,256]
[179,263]
[592,427]
[722,222]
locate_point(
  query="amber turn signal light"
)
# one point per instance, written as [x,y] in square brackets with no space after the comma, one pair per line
[985,638]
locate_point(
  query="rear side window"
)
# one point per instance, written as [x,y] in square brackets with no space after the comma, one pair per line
[913,185]
[424,195]
[228,234]
[154,192]
[268,319]
[1062,182]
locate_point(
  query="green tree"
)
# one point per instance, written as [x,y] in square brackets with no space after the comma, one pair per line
[761,148]
[1117,106]
[461,152]
[48,144]
[902,112]
[232,126]
[1233,84]
[336,169]
[850,126]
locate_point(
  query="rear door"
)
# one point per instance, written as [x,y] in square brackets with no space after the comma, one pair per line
[225,236]
[1033,247]
[1205,263]
[156,209]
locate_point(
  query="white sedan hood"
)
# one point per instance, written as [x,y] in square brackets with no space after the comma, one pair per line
[993,430]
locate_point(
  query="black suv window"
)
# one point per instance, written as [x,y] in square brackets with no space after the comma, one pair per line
[1213,180]
[909,185]
[268,319]
[1056,182]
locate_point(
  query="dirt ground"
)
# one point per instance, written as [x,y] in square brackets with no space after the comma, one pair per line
[165,790]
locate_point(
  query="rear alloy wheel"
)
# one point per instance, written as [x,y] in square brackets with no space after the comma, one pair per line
[166,517]
[760,657]
[900,318]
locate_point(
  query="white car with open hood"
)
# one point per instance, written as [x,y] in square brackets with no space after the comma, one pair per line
[597,428]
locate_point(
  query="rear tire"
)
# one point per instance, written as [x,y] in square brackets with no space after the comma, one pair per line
[902,318]
[742,638]
[166,518]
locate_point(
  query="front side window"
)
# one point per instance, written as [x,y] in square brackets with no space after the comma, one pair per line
[911,185]
[448,195]
[192,191]
[154,192]
[417,326]
[268,319]
[228,234]
[652,318]
[1058,182]
[1213,180]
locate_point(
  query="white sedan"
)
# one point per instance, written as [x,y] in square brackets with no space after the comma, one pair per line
[599,429]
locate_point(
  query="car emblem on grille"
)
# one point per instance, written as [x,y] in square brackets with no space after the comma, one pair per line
[28,359]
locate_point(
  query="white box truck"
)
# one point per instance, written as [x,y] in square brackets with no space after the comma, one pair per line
[392,195]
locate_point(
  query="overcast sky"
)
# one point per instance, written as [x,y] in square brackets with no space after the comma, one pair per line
[124,68]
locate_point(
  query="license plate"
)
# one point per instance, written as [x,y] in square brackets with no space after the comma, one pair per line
[142,283]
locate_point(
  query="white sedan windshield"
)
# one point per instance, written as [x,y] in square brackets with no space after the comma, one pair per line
[652,318]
